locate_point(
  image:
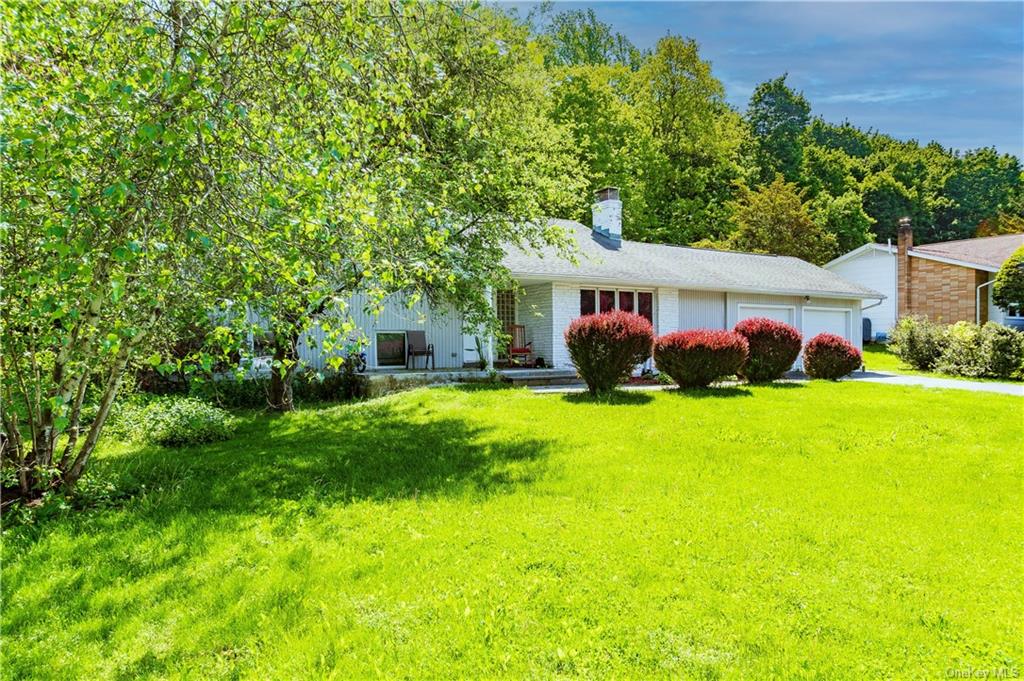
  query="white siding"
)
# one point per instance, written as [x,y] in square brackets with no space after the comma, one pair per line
[443,328]
[877,270]
[735,300]
[533,310]
[701,310]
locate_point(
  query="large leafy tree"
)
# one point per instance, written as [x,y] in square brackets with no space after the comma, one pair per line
[699,140]
[577,37]
[775,219]
[843,216]
[778,116]
[221,159]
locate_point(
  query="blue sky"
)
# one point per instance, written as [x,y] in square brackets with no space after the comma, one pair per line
[946,71]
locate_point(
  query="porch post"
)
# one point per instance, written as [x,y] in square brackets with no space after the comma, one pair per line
[490,336]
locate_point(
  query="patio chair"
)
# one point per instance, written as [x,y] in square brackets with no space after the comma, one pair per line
[417,346]
[520,353]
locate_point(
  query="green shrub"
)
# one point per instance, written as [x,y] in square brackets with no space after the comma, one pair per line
[918,342]
[961,351]
[1003,350]
[172,422]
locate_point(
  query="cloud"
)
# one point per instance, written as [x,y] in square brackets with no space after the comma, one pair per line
[885,96]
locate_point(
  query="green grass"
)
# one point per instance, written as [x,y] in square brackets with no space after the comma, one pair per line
[879,357]
[826,530]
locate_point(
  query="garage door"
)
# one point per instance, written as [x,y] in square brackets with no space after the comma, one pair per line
[779,313]
[827,320]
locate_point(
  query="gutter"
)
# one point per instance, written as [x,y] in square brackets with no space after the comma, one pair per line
[633,283]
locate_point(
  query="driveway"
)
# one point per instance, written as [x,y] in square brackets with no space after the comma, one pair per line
[931,382]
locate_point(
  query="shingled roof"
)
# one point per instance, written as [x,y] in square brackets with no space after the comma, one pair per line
[632,263]
[985,253]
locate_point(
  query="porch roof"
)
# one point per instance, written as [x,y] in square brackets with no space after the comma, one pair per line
[633,263]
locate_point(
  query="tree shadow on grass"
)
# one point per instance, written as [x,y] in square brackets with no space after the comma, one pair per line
[782,385]
[712,392]
[616,397]
[371,450]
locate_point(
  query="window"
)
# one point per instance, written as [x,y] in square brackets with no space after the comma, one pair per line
[646,305]
[1015,311]
[391,349]
[505,306]
[588,303]
[641,302]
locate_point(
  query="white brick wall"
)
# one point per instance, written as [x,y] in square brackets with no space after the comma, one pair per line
[666,314]
[565,307]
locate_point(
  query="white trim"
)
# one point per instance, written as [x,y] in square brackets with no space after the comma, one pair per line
[952,261]
[770,306]
[825,308]
[592,282]
[857,251]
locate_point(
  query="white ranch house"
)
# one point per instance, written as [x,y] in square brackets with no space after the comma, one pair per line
[675,287]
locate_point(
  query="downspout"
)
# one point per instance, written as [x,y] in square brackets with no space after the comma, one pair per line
[862,339]
[977,300]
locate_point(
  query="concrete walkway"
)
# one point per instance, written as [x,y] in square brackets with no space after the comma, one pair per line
[932,382]
[1016,389]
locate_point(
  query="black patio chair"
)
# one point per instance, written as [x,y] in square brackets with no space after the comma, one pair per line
[417,346]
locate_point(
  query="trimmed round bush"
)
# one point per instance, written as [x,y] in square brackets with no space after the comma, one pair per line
[606,347]
[774,346]
[830,356]
[699,357]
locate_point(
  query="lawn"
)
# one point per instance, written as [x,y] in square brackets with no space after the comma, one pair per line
[814,530]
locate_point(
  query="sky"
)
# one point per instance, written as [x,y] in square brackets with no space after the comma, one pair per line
[952,72]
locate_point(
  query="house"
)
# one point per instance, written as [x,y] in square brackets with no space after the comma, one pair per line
[674,287]
[948,282]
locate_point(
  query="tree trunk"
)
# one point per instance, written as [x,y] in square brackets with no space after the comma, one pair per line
[71,475]
[282,373]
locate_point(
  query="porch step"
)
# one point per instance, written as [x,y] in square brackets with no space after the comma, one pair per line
[534,377]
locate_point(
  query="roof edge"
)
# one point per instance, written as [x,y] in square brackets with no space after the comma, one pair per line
[597,281]
[951,261]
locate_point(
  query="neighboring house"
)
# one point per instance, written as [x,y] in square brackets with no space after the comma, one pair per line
[948,282]
[674,287]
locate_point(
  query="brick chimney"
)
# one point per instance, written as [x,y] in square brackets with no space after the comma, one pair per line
[904,242]
[607,212]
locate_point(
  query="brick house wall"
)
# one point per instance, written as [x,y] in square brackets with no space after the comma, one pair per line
[939,291]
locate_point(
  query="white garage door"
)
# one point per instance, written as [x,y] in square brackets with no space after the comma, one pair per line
[779,313]
[827,320]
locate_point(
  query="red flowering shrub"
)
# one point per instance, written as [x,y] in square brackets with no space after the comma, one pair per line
[605,347]
[830,356]
[695,359]
[774,346]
